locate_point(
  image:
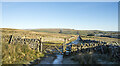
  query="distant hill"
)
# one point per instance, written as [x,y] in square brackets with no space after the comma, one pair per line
[35,34]
[72,31]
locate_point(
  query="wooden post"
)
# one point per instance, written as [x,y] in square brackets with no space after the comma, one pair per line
[41,44]
[24,41]
[64,46]
[38,47]
[10,39]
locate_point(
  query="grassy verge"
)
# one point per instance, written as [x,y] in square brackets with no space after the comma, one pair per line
[18,54]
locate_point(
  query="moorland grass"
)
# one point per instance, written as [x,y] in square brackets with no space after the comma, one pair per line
[18,54]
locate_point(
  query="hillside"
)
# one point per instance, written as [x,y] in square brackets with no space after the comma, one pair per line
[33,34]
[72,31]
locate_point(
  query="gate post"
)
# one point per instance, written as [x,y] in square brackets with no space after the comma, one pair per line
[65,40]
[64,46]
[41,44]
[38,46]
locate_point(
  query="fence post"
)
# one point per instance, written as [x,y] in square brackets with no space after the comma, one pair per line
[10,39]
[38,47]
[64,45]
[41,44]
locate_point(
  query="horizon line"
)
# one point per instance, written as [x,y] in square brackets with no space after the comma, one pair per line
[56,28]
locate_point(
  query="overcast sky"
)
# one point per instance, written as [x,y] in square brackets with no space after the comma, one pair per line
[73,15]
